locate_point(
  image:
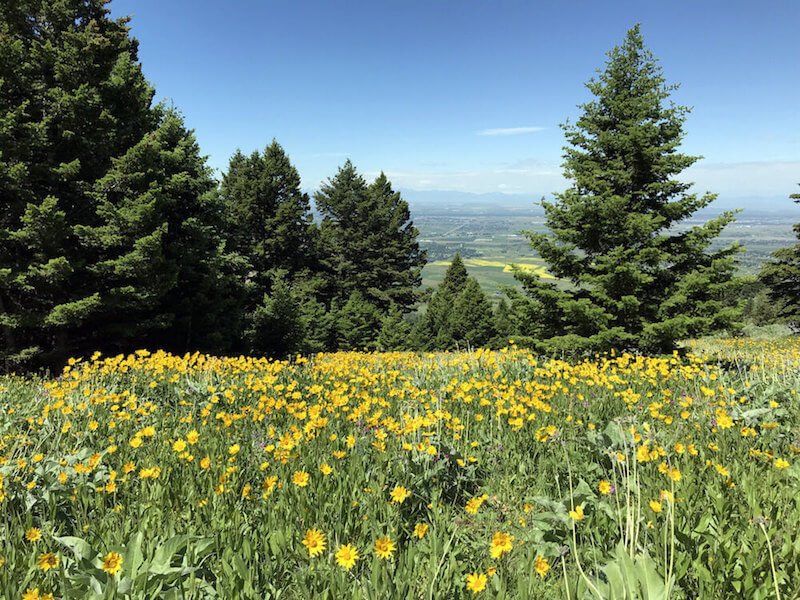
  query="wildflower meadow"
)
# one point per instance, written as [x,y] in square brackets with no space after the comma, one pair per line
[493,474]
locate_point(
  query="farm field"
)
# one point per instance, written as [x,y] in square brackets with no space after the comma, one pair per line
[492,273]
[489,239]
[483,474]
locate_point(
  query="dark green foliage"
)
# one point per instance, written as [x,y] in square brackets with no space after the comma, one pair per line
[434,331]
[110,234]
[455,277]
[72,96]
[159,252]
[395,333]
[269,223]
[276,326]
[358,323]
[472,320]
[113,234]
[369,244]
[782,277]
[634,282]
[459,313]
[320,326]
[503,324]
[268,217]
[761,309]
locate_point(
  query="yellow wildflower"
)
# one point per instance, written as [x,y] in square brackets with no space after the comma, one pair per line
[476,582]
[399,494]
[384,547]
[346,556]
[501,543]
[47,561]
[577,513]
[420,529]
[314,541]
[112,563]
[541,566]
[300,478]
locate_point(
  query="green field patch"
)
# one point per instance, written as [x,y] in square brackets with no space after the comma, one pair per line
[527,266]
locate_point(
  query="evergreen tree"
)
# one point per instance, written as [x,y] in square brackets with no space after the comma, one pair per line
[634,280]
[268,216]
[358,323]
[472,321]
[276,326]
[72,97]
[166,280]
[369,243]
[395,331]
[320,325]
[455,278]
[781,274]
[269,222]
[398,269]
[503,324]
[434,331]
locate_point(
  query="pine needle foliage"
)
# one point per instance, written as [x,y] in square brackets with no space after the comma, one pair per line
[633,274]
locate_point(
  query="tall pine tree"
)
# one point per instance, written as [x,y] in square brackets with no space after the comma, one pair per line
[268,215]
[503,323]
[269,223]
[395,331]
[435,329]
[358,323]
[781,274]
[635,277]
[369,243]
[72,97]
[472,319]
[276,325]
[166,280]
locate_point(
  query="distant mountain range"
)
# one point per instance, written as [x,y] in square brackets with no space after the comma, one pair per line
[451,201]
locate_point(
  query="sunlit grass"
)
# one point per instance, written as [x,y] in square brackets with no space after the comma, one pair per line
[404,476]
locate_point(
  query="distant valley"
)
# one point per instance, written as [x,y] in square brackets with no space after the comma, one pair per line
[486,229]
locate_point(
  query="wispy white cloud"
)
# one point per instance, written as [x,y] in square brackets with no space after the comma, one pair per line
[535,176]
[526,176]
[509,131]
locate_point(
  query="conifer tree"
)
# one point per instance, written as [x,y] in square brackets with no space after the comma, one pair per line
[781,274]
[399,269]
[268,216]
[368,241]
[269,223]
[395,331]
[320,325]
[503,324]
[471,321]
[434,331]
[160,260]
[635,279]
[72,97]
[358,323]
[455,278]
[276,326]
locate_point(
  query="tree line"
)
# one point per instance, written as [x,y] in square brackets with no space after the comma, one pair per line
[115,235]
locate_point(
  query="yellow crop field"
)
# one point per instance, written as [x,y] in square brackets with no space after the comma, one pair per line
[535,268]
[398,475]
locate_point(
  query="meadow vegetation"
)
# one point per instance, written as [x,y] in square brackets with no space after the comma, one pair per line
[397,475]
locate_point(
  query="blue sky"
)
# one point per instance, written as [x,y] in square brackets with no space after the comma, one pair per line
[468,95]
